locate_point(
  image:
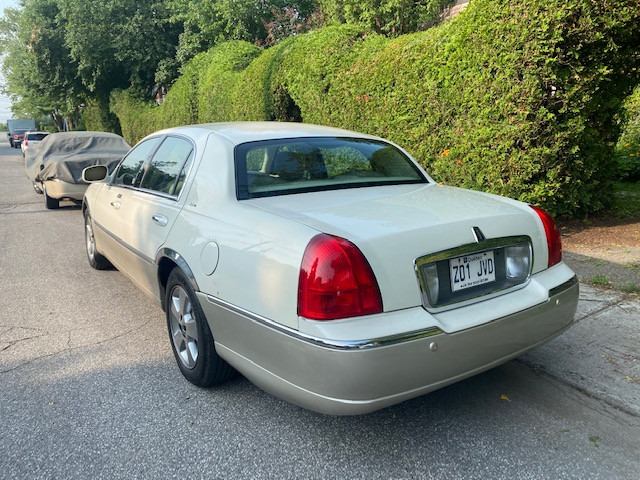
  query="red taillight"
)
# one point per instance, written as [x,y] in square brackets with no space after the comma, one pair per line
[554,244]
[336,281]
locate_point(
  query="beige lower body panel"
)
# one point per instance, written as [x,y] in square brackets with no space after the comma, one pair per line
[59,189]
[342,381]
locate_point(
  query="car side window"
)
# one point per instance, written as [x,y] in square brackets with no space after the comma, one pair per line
[163,172]
[183,174]
[129,170]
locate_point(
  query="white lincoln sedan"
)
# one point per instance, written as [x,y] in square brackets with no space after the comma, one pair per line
[325,265]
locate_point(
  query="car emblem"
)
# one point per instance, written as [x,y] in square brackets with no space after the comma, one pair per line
[478,235]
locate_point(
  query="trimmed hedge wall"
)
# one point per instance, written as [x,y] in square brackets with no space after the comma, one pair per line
[628,148]
[98,118]
[516,98]
[219,77]
[200,95]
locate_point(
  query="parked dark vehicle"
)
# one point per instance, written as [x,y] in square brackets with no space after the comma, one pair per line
[16,129]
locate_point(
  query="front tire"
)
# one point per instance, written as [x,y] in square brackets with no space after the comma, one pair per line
[97,261]
[190,336]
[50,203]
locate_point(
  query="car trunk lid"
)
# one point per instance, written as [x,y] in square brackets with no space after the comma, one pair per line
[395,225]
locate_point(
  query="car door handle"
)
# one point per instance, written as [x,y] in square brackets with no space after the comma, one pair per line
[115,205]
[160,220]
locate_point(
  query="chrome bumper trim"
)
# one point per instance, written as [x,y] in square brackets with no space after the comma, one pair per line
[565,286]
[480,246]
[353,344]
[324,342]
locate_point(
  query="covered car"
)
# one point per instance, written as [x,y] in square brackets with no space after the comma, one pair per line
[56,167]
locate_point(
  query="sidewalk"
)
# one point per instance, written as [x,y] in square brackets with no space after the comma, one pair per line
[605,252]
[600,354]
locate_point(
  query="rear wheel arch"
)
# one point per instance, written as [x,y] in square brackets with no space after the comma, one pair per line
[168,259]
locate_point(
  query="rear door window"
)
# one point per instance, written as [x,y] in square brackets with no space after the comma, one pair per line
[36,136]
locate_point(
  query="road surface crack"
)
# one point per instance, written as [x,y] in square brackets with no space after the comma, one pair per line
[614,303]
[13,343]
[7,207]
[575,385]
[70,349]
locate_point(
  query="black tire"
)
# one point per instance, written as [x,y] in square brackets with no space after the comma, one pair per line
[207,368]
[97,261]
[50,203]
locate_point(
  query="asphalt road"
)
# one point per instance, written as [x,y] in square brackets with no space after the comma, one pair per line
[89,389]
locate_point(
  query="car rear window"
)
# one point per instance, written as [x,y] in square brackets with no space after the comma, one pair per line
[280,167]
[36,136]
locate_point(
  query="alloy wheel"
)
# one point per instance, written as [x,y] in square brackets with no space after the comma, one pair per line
[184,328]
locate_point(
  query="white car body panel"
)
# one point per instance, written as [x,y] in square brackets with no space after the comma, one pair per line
[125,212]
[450,321]
[255,248]
[395,225]
[244,258]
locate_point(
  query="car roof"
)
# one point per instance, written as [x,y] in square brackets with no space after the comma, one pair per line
[241,132]
[82,134]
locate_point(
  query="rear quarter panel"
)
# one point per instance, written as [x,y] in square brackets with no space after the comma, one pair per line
[259,253]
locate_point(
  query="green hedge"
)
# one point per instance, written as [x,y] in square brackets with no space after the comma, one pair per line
[516,98]
[200,95]
[253,93]
[391,17]
[96,116]
[219,77]
[628,148]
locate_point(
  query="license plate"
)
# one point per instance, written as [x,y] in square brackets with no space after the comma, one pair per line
[472,270]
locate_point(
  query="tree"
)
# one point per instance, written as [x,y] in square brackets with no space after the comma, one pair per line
[208,22]
[41,79]
[389,17]
[118,43]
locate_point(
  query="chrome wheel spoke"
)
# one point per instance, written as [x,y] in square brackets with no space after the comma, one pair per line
[181,300]
[90,240]
[192,352]
[184,327]
[178,339]
[191,327]
[186,307]
[174,311]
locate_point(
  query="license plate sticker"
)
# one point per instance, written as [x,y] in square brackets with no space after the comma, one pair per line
[472,270]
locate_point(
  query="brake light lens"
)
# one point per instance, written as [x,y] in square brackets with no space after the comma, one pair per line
[336,281]
[554,244]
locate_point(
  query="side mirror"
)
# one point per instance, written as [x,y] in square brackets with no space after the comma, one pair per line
[96,173]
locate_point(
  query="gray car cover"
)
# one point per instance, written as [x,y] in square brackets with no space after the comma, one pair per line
[63,156]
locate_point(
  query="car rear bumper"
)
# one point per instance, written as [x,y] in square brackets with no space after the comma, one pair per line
[348,378]
[59,189]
